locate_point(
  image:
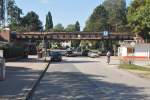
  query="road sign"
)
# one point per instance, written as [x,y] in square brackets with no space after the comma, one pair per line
[105,33]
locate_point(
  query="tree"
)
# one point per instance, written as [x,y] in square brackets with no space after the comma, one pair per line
[58,28]
[14,12]
[70,28]
[2,11]
[49,22]
[116,14]
[98,20]
[77,26]
[31,22]
[139,17]
[14,15]
[76,43]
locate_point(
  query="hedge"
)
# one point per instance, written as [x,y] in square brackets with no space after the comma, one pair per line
[11,51]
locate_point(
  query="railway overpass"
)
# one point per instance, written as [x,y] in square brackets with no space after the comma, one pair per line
[64,36]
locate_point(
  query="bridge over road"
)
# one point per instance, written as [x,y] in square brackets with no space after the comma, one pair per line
[13,36]
[70,36]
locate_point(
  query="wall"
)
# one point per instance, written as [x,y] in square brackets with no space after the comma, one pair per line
[122,51]
[142,50]
[5,35]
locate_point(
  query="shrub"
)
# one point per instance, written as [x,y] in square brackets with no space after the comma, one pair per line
[11,51]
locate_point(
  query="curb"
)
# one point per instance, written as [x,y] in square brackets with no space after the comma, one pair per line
[28,93]
[13,59]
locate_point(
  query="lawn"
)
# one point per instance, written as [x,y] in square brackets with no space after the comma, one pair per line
[140,70]
[134,67]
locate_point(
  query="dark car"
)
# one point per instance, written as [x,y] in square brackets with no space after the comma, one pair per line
[70,53]
[85,52]
[55,56]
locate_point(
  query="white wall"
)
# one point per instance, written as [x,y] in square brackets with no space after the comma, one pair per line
[64,44]
[142,50]
[122,51]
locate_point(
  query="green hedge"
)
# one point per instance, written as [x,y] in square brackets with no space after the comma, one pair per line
[11,51]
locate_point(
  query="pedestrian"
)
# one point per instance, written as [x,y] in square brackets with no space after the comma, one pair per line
[108,56]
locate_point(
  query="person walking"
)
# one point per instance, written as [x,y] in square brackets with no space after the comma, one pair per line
[108,57]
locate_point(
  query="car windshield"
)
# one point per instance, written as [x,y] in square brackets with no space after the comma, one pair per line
[55,53]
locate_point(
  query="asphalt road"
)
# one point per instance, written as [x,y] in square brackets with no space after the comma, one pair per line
[90,79]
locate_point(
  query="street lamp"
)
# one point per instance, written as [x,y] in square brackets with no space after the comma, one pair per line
[43,43]
[132,45]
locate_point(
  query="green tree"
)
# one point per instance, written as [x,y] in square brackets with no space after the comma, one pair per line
[31,22]
[139,17]
[98,20]
[14,12]
[49,22]
[58,28]
[77,26]
[2,11]
[14,15]
[116,14]
[70,28]
[76,43]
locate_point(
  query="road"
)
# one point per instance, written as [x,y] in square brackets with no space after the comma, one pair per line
[90,79]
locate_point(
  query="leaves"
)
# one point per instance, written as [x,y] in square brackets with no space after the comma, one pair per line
[139,17]
[97,21]
[31,22]
[58,28]
[2,10]
[49,22]
[70,28]
[13,11]
[77,26]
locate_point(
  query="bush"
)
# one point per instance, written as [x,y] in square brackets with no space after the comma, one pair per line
[11,51]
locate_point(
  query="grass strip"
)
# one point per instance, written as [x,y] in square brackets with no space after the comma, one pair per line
[134,67]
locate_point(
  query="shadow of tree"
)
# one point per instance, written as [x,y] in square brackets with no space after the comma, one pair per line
[74,61]
[76,86]
[17,81]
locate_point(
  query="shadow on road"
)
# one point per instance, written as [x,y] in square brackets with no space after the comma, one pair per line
[76,86]
[74,61]
[17,80]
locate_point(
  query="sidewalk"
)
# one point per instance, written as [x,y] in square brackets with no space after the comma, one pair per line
[140,62]
[20,76]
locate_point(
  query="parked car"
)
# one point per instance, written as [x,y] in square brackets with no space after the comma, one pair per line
[55,56]
[85,52]
[77,53]
[70,53]
[93,54]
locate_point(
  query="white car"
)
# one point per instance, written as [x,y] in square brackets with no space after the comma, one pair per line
[93,54]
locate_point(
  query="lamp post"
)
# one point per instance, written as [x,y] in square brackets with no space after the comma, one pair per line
[133,46]
[43,43]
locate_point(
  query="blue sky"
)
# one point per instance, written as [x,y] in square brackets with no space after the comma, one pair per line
[63,11]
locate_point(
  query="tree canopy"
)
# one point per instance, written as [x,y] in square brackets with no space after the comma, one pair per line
[139,17]
[49,22]
[31,22]
[111,15]
[58,28]
[2,11]
[77,26]
[116,14]
[98,20]
[70,28]
[13,11]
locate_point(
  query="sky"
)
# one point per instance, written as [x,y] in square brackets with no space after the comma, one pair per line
[63,11]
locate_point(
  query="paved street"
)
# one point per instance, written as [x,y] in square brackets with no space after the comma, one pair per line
[90,79]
